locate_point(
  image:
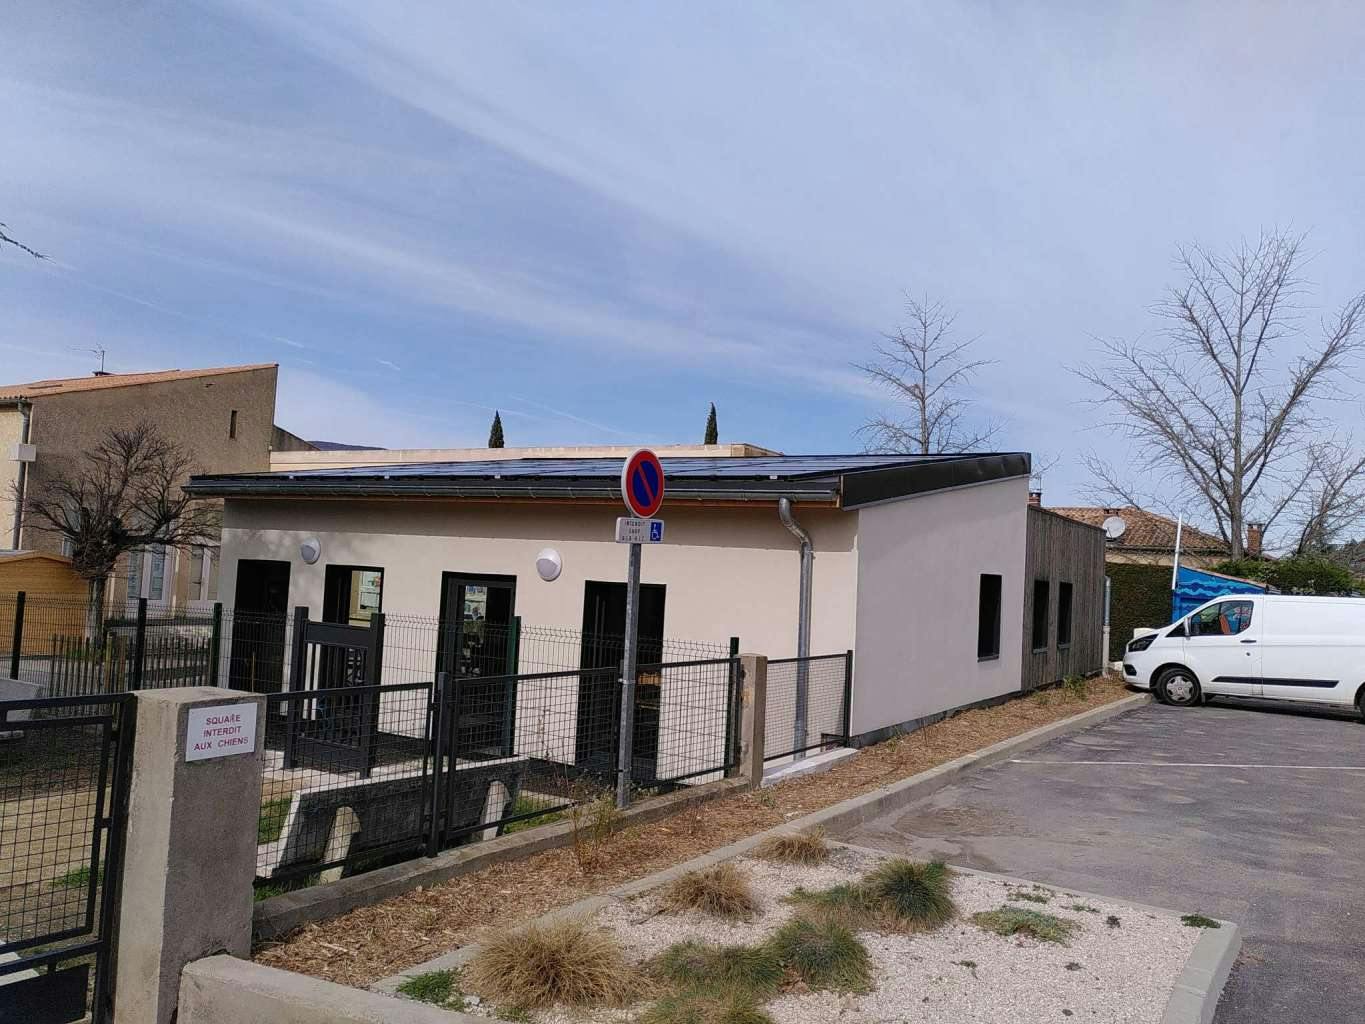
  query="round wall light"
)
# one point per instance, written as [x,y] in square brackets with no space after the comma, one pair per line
[310,550]
[549,565]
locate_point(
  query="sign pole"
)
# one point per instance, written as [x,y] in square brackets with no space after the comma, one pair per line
[628,678]
[642,489]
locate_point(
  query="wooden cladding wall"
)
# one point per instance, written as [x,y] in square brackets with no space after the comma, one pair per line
[1061,550]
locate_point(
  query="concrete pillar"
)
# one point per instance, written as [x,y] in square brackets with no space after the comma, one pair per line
[191,850]
[753,716]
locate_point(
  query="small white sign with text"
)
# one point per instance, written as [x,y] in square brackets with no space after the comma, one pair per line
[220,731]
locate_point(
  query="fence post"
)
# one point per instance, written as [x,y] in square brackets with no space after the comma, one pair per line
[754,700]
[139,645]
[732,711]
[439,725]
[19,600]
[191,836]
[298,659]
[215,643]
[848,696]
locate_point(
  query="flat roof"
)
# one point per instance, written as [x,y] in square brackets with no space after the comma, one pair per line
[847,481]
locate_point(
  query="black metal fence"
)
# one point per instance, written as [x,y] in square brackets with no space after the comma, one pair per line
[809,704]
[359,776]
[64,769]
[411,734]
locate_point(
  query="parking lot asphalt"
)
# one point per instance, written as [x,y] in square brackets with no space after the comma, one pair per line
[1247,812]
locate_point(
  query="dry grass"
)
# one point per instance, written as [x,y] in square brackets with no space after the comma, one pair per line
[374,942]
[721,891]
[806,848]
[568,963]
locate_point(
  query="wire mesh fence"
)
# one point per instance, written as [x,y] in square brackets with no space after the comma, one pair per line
[808,704]
[63,772]
[345,784]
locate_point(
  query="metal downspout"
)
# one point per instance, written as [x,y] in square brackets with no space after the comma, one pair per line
[784,512]
[25,412]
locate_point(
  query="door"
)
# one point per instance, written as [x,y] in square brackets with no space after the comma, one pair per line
[603,646]
[478,639]
[1222,648]
[351,594]
[260,612]
[1313,649]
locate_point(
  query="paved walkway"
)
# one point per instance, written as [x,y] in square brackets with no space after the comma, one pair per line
[1252,814]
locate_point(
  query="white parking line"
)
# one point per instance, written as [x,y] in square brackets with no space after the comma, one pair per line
[1203,764]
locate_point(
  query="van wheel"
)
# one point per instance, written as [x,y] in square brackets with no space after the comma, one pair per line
[1179,687]
[1360,702]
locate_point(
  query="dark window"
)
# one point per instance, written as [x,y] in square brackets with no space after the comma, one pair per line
[1063,614]
[1226,618]
[1041,594]
[988,617]
[352,593]
[232,424]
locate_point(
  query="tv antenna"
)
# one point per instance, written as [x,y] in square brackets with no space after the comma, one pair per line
[1115,527]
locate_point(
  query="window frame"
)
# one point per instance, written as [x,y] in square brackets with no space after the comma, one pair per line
[1046,606]
[991,650]
[1064,613]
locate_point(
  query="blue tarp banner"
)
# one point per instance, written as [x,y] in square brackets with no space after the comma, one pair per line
[1195,586]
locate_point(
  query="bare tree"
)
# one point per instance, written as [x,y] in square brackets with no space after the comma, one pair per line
[5,239]
[1332,498]
[122,495]
[1224,414]
[925,367]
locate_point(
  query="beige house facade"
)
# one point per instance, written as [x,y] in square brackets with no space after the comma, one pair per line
[221,417]
[917,566]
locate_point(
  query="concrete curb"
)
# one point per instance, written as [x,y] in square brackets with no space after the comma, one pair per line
[280,915]
[845,814]
[1200,985]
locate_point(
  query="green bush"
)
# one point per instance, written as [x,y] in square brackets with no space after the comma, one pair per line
[823,954]
[694,966]
[1300,574]
[1139,595]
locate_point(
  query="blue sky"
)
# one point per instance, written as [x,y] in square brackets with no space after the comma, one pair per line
[600,217]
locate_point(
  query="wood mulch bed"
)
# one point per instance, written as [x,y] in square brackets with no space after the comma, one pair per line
[371,943]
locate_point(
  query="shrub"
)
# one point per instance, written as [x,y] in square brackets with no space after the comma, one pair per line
[564,962]
[1199,921]
[722,891]
[900,895]
[694,966]
[1298,574]
[1076,687]
[1018,921]
[912,895]
[692,1007]
[434,987]
[795,848]
[593,826]
[823,954]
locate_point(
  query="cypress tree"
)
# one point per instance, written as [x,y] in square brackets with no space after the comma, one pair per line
[712,433]
[495,431]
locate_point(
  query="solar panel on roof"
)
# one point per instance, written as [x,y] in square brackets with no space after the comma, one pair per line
[759,467]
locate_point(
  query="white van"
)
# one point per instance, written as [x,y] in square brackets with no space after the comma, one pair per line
[1256,645]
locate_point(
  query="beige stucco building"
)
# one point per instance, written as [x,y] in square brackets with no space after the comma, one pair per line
[221,417]
[918,563]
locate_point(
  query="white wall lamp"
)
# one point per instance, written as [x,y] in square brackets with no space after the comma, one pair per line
[310,550]
[549,565]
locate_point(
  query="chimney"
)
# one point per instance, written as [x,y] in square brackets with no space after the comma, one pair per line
[1035,498]
[1254,536]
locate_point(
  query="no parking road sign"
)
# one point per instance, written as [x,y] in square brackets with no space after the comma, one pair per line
[642,484]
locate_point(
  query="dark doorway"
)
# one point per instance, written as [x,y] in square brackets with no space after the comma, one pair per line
[352,593]
[260,612]
[478,638]
[599,707]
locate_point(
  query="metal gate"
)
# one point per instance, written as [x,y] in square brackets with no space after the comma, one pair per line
[65,763]
[337,731]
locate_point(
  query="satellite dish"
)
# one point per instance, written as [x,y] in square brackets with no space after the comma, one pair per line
[1115,527]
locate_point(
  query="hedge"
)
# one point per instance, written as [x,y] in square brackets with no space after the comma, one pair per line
[1139,595]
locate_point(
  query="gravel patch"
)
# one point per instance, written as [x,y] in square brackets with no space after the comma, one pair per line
[955,975]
